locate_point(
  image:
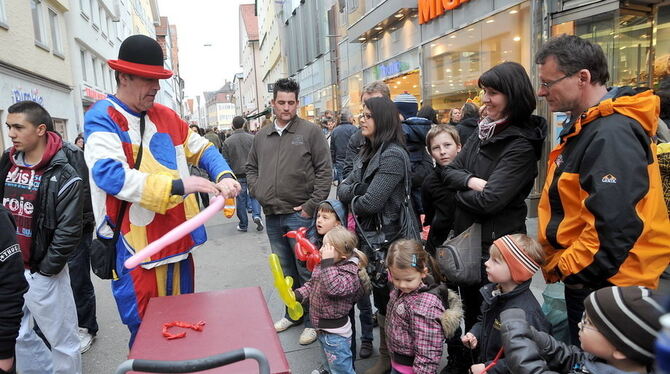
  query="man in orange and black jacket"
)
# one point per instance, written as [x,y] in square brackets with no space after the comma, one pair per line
[602,218]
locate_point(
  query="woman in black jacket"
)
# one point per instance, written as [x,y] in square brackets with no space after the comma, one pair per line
[469,121]
[375,191]
[494,172]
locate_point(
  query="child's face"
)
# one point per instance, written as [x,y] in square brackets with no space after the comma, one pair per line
[326,221]
[497,270]
[407,280]
[444,149]
[593,341]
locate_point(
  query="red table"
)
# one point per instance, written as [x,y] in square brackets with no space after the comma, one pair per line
[235,319]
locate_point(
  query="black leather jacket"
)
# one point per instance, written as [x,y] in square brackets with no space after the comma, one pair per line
[528,351]
[57,218]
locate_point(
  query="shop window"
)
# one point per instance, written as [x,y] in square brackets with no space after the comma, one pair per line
[38,23]
[662,47]
[626,40]
[54,27]
[454,62]
[59,127]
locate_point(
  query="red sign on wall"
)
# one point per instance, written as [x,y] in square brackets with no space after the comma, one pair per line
[431,9]
[93,94]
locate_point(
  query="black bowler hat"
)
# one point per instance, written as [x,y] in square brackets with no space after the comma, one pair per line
[140,55]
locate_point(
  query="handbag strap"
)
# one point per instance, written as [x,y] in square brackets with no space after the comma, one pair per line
[124,203]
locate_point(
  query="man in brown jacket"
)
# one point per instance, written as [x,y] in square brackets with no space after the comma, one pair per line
[289,173]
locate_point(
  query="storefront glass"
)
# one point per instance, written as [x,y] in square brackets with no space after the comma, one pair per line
[625,37]
[662,48]
[454,62]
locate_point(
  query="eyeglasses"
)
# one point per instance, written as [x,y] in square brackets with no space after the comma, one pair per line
[365,116]
[586,324]
[548,85]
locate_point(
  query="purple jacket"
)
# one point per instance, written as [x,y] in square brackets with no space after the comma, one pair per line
[413,329]
[332,292]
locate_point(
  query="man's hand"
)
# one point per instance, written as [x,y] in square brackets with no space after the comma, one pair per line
[302,212]
[198,184]
[327,251]
[477,368]
[476,184]
[228,187]
[469,340]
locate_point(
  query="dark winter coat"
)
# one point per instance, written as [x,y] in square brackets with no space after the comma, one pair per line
[466,128]
[356,141]
[487,328]
[13,285]
[57,219]
[379,188]
[75,156]
[438,206]
[421,164]
[236,151]
[508,162]
[528,351]
[339,141]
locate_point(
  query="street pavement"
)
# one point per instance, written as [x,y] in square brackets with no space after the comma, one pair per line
[229,259]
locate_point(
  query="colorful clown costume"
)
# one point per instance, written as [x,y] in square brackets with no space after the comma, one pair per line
[112,133]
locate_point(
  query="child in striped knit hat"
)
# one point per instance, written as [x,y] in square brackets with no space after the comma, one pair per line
[617,334]
[513,261]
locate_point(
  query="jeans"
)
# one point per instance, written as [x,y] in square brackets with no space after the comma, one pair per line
[338,353]
[278,225]
[244,200]
[574,303]
[82,288]
[365,308]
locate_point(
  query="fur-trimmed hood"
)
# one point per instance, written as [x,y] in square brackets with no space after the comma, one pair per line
[453,308]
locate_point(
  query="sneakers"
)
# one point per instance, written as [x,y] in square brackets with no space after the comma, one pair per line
[240,229]
[85,340]
[320,370]
[366,349]
[308,336]
[283,324]
[259,223]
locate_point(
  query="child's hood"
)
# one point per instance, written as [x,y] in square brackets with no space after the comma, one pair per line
[339,209]
[453,306]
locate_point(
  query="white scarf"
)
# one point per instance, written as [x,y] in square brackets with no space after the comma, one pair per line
[487,127]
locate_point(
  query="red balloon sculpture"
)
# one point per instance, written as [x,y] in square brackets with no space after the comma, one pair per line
[304,249]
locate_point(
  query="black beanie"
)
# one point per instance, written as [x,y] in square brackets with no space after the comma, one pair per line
[628,317]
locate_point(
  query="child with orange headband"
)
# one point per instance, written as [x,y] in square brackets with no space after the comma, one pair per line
[513,261]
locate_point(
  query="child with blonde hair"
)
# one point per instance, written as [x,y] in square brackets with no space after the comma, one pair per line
[422,312]
[513,261]
[336,284]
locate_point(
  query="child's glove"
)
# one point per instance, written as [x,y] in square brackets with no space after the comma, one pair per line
[469,340]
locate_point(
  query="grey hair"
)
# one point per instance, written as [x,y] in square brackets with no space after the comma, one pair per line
[376,87]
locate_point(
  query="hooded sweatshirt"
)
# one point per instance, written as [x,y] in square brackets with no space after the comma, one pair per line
[21,187]
[602,218]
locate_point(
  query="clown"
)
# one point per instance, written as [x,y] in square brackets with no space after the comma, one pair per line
[159,192]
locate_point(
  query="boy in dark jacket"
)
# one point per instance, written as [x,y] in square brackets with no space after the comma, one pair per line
[514,259]
[12,287]
[617,335]
[44,195]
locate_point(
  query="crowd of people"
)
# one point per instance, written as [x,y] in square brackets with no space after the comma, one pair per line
[135,172]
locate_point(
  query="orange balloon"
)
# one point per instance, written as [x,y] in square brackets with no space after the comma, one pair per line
[229,207]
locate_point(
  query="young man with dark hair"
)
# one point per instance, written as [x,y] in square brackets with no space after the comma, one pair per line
[44,195]
[236,151]
[602,217]
[289,172]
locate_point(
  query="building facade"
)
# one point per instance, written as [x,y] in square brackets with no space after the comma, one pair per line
[251,86]
[35,63]
[273,61]
[170,93]
[95,36]
[221,107]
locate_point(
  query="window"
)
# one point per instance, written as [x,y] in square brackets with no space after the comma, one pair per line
[108,26]
[95,14]
[112,81]
[85,6]
[60,127]
[36,8]
[55,33]
[104,75]
[96,78]
[83,66]
[3,15]
[103,22]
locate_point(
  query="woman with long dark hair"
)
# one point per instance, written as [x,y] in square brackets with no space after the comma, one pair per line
[375,191]
[495,171]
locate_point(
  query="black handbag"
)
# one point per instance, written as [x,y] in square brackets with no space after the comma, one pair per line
[460,257]
[103,250]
